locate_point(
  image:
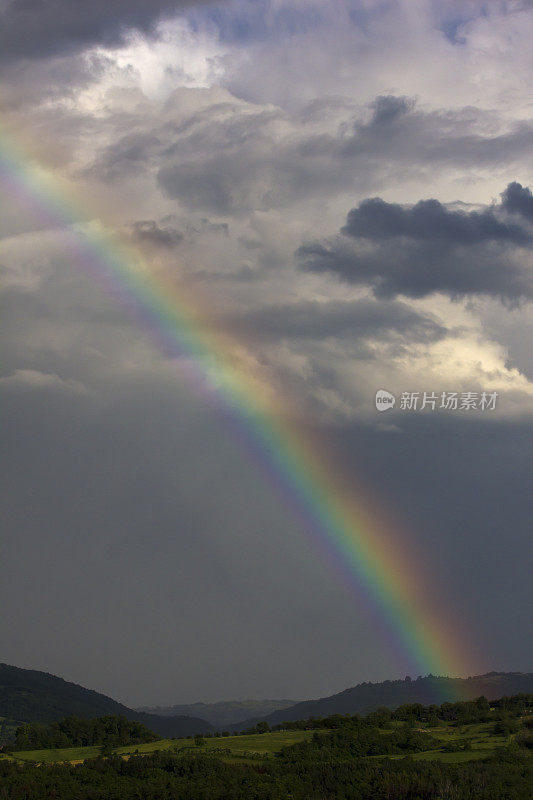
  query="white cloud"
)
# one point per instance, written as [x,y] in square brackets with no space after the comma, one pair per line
[177,57]
[33,379]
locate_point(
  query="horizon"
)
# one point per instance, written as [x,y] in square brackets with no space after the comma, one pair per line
[267,383]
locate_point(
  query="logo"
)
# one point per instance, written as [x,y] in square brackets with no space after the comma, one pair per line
[384,400]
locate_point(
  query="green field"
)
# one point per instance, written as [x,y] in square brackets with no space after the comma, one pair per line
[240,747]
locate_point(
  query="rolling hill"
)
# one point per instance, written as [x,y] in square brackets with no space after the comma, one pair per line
[367,697]
[31,696]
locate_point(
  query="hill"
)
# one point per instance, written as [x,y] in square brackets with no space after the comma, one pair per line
[31,696]
[223,713]
[367,697]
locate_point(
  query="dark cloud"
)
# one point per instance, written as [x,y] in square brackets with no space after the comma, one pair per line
[426,248]
[518,200]
[38,28]
[353,319]
[387,108]
[26,83]
[149,231]
[429,220]
[398,131]
[401,139]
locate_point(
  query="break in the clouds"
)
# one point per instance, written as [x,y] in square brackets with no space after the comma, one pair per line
[426,248]
[346,188]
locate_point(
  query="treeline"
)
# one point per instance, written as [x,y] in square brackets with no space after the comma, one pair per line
[460,713]
[507,775]
[352,741]
[75,732]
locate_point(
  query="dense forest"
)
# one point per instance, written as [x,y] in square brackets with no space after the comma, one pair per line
[508,775]
[75,732]
[345,758]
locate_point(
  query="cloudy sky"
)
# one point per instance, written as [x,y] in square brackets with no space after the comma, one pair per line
[347,186]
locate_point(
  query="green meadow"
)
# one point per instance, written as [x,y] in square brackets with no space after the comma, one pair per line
[254,746]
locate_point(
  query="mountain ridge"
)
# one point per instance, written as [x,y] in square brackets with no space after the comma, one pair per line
[223,712]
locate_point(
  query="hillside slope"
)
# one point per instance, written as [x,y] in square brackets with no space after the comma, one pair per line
[367,697]
[32,696]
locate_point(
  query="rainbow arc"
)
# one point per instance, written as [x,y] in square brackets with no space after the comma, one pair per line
[364,547]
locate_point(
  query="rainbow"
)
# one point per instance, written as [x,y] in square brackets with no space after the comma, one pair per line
[364,548]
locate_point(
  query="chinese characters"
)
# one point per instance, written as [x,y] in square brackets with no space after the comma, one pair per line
[448,401]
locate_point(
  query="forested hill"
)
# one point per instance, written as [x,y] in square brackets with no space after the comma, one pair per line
[31,696]
[368,697]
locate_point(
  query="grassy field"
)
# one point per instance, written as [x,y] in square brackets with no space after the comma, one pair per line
[243,748]
[257,747]
[49,756]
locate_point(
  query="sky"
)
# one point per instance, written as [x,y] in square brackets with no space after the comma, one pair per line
[347,187]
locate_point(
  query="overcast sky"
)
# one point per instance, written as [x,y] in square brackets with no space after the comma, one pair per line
[348,185]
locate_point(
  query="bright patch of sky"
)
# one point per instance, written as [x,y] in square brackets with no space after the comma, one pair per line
[179,56]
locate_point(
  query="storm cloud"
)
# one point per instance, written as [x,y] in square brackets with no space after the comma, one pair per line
[401,131]
[41,28]
[518,200]
[427,248]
